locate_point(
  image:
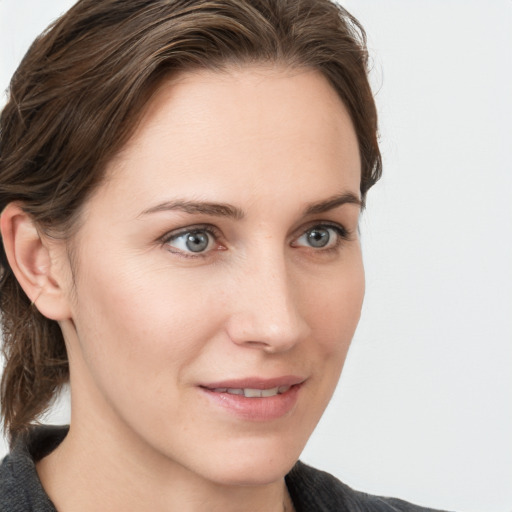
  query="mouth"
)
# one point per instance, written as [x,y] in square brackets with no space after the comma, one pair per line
[255,399]
[253,392]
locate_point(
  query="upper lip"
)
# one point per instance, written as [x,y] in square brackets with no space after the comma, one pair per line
[255,382]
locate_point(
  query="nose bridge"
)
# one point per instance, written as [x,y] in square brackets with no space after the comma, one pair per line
[266,311]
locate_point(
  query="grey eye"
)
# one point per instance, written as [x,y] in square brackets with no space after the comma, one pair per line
[319,237]
[192,241]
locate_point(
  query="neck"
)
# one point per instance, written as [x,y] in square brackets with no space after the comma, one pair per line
[97,468]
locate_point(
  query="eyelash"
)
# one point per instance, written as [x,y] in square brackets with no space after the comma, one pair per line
[212,231]
[341,232]
[342,235]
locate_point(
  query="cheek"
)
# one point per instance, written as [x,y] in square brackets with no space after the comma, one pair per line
[137,339]
[132,321]
[334,309]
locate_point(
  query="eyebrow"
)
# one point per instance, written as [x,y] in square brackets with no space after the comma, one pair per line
[334,202]
[228,210]
[206,208]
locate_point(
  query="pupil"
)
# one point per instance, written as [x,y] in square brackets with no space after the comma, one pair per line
[197,242]
[318,237]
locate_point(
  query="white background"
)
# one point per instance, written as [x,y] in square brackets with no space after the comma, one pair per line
[424,407]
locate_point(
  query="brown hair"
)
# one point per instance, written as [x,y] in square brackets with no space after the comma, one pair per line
[75,100]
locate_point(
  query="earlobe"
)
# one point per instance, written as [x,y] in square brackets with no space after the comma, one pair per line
[32,260]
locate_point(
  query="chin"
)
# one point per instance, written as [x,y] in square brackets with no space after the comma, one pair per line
[254,462]
[253,473]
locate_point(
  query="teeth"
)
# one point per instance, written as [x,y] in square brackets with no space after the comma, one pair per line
[254,393]
[269,392]
[233,391]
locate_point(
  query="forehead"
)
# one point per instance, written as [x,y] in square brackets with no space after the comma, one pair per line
[259,97]
[240,132]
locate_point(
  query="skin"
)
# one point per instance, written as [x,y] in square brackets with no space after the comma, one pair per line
[146,322]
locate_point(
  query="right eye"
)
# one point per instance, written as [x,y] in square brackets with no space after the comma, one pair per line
[193,241]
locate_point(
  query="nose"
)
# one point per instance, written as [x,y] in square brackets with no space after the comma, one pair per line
[266,311]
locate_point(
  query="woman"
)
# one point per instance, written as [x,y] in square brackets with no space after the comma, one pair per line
[181,184]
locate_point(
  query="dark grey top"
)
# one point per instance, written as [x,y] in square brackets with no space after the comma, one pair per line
[20,487]
[311,490]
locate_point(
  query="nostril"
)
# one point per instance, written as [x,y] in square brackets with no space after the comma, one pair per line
[256,344]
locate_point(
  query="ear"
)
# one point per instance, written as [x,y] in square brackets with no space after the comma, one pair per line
[36,262]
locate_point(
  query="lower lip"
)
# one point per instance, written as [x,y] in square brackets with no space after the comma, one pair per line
[259,408]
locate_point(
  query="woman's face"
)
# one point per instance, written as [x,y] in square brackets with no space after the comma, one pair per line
[218,277]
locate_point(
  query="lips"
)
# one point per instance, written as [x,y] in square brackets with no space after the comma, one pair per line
[256,383]
[255,399]
[254,392]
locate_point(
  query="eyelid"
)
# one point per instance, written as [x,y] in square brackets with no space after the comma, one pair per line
[342,232]
[176,233]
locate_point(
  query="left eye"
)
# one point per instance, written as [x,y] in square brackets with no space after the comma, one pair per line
[320,237]
[195,241]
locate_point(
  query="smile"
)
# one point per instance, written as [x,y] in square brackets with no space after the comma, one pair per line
[255,399]
[252,392]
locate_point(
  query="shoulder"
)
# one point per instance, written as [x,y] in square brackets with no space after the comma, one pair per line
[314,490]
[20,487]
[11,496]
[16,486]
